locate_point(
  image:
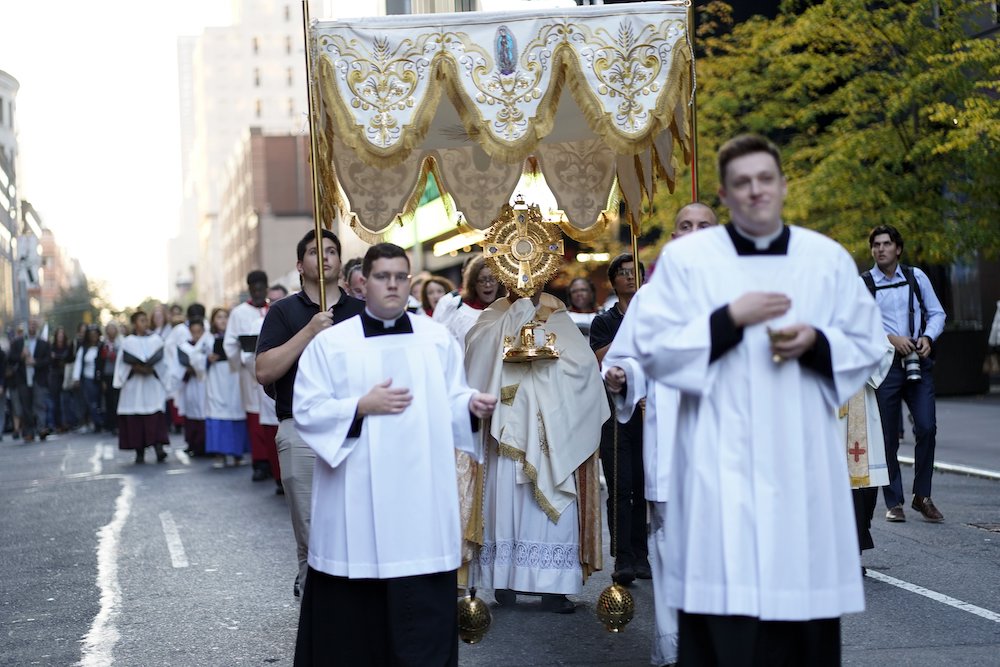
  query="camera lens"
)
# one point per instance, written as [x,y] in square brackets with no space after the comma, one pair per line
[911,366]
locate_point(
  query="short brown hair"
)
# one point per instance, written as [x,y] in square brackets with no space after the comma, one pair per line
[745,144]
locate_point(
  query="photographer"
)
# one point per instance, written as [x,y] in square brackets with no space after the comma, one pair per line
[913,320]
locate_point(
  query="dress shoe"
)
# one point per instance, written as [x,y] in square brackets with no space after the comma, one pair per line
[161,456]
[643,570]
[895,514]
[140,455]
[259,475]
[624,573]
[505,597]
[557,604]
[925,506]
[279,490]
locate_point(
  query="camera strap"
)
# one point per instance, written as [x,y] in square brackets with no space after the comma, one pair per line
[911,282]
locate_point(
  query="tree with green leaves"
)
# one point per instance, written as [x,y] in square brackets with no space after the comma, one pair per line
[82,302]
[886,113]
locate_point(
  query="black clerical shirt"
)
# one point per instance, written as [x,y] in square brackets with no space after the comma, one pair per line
[285,318]
[726,335]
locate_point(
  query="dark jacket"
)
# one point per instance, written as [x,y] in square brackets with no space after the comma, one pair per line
[17,369]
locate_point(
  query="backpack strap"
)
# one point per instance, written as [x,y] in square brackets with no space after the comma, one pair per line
[869,281]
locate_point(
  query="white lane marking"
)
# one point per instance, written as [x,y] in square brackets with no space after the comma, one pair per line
[95,460]
[109,452]
[934,595]
[177,556]
[99,642]
[955,467]
[182,456]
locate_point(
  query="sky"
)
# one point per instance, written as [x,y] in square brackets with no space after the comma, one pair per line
[99,130]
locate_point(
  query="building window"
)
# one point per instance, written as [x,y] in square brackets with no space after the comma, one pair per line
[1,111]
[256,45]
[258,108]
[465,5]
[291,79]
[291,107]
[256,77]
[288,13]
[288,45]
[393,7]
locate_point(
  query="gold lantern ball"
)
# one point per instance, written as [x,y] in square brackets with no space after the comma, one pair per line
[615,608]
[474,618]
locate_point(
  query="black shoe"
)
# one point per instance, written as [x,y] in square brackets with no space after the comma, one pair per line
[643,570]
[557,604]
[259,475]
[161,455]
[505,597]
[624,573]
[140,456]
[279,490]
[296,589]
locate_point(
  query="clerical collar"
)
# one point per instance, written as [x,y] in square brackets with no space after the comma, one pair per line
[775,243]
[376,326]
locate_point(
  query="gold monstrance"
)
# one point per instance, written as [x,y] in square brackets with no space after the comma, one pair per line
[523,250]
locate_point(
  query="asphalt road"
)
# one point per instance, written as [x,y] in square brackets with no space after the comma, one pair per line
[105,562]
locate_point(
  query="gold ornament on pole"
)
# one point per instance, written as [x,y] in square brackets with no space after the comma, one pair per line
[615,605]
[474,617]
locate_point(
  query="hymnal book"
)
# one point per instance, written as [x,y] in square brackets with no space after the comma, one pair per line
[248,343]
[183,358]
[130,358]
[219,349]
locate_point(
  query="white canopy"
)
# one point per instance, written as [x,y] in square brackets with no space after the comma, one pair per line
[380,81]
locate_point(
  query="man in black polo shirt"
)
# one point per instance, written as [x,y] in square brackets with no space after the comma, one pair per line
[624,471]
[289,326]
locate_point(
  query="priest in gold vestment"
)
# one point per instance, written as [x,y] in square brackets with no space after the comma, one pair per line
[535,507]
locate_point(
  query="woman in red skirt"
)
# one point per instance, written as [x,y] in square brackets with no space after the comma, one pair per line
[141,375]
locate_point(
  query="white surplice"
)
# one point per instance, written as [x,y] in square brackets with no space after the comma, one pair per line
[384,504]
[222,390]
[659,429]
[194,390]
[659,422]
[246,319]
[758,498]
[141,394]
[172,338]
[456,316]
[546,426]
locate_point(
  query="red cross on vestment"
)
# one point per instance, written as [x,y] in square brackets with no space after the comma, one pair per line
[857,451]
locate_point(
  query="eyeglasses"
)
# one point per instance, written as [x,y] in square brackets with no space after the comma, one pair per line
[625,273]
[385,276]
[486,280]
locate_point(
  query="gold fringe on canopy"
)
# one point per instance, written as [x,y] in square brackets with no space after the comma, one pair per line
[628,70]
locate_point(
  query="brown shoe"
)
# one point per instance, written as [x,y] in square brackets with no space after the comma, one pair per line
[925,506]
[895,514]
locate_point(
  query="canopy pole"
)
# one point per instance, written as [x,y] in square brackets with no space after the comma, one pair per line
[314,158]
[635,258]
[694,109]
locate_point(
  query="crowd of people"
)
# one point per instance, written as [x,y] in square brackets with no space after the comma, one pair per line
[721,398]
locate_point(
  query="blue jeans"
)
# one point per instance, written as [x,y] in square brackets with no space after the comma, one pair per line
[92,398]
[919,398]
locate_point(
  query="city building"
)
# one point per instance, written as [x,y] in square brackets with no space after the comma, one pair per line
[265,208]
[250,73]
[8,194]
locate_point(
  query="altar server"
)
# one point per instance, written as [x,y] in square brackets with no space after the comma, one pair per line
[141,375]
[382,399]
[765,330]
